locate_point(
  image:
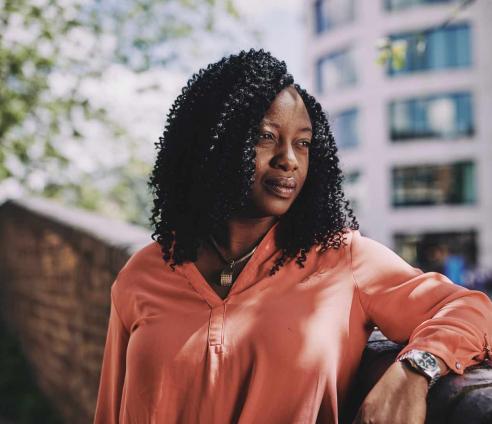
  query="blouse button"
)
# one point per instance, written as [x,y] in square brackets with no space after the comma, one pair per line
[458,365]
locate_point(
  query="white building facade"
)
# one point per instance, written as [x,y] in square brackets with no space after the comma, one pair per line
[414,133]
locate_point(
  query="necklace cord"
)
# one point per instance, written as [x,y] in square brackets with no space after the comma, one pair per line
[231,262]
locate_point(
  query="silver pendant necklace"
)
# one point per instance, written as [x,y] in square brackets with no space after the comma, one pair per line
[227,273]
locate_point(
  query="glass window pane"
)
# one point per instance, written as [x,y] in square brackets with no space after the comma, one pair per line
[336,70]
[434,184]
[468,178]
[352,188]
[464,114]
[441,48]
[440,116]
[345,129]
[403,4]
[461,46]
[330,14]
[438,54]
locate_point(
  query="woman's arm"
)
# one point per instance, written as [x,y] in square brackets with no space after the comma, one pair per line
[424,309]
[427,310]
[112,370]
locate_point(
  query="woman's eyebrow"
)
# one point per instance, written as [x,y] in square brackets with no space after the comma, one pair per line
[274,124]
[271,123]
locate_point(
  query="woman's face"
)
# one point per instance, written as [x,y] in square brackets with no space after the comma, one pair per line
[282,155]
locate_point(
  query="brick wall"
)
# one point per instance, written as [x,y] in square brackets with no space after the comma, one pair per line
[56,270]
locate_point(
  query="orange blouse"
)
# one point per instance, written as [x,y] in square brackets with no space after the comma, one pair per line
[279,349]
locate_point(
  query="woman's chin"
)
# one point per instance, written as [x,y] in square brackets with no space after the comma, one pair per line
[267,204]
[274,208]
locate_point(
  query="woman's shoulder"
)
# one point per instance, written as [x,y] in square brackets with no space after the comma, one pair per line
[145,262]
[358,243]
[375,265]
[360,249]
[343,240]
[338,252]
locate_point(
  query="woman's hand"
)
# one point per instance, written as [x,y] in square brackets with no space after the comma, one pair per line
[398,397]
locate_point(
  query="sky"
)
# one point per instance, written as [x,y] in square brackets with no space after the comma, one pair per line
[282,23]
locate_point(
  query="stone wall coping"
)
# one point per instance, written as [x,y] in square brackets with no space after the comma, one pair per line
[113,232]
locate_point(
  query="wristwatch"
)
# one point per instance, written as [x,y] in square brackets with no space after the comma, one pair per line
[424,363]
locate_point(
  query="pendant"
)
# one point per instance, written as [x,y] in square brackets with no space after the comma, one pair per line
[226,276]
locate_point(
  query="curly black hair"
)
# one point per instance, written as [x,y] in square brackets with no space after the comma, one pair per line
[206,162]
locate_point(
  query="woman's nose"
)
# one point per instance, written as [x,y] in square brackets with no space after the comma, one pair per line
[285,157]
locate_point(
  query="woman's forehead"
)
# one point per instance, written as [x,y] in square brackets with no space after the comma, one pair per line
[287,104]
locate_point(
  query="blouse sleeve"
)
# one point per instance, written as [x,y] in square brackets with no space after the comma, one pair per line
[112,369]
[427,310]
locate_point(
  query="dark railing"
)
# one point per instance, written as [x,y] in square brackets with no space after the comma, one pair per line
[454,399]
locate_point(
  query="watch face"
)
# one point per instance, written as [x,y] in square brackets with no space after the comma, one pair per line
[423,362]
[426,361]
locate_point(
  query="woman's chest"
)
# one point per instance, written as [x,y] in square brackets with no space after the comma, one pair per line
[304,325]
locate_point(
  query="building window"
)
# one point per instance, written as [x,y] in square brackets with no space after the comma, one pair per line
[453,254]
[441,116]
[443,48]
[345,128]
[352,188]
[434,184]
[403,4]
[329,14]
[352,177]
[336,70]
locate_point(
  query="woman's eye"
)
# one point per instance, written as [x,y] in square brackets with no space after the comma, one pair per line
[305,143]
[267,136]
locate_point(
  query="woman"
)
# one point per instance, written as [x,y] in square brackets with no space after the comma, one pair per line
[255,301]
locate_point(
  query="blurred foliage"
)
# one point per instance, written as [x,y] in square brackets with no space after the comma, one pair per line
[391,53]
[76,40]
[144,27]
[21,400]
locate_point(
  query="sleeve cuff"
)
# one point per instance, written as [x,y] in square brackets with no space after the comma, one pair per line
[454,364]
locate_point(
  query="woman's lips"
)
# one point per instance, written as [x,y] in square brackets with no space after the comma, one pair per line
[281,186]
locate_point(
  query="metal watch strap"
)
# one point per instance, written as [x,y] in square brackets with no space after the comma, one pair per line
[432,374]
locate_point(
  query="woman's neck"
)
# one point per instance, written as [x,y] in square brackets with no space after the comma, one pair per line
[240,235]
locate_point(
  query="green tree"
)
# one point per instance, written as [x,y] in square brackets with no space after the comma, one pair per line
[53,51]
